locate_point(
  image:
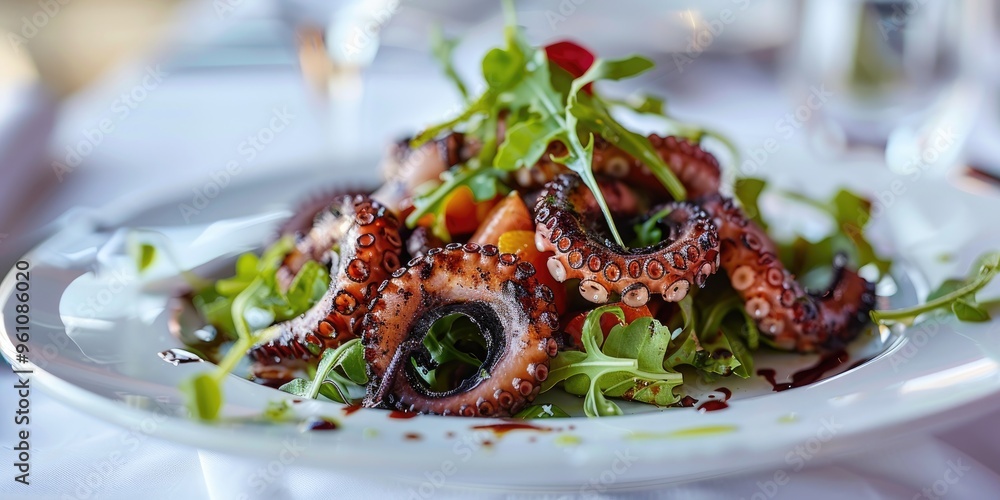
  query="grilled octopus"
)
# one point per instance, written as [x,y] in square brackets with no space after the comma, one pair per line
[786,313]
[497,292]
[369,248]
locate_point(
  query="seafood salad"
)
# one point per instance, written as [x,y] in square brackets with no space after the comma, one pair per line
[531,244]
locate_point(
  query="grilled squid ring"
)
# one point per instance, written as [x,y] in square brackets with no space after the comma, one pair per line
[669,268]
[370,245]
[497,292]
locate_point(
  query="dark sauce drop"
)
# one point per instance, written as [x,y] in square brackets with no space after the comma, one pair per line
[501,429]
[806,376]
[412,436]
[179,357]
[714,405]
[726,393]
[688,402]
[402,414]
[769,375]
[322,425]
[349,409]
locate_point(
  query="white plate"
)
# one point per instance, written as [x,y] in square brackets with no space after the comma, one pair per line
[95,338]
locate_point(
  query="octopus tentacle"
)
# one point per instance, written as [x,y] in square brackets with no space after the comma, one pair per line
[499,293]
[306,210]
[788,315]
[370,245]
[405,167]
[669,268]
[421,240]
[415,166]
[696,169]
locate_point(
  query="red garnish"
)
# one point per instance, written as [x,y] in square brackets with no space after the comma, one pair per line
[574,327]
[573,58]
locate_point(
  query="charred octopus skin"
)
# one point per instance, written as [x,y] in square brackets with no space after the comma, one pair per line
[498,293]
[670,268]
[368,237]
[786,314]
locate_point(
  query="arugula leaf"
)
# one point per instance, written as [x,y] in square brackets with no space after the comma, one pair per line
[966,310]
[748,191]
[272,304]
[526,142]
[849,212]
[443,48]
[481,106]
[483,182]
[642,104]
[540,103]
[452,342]
[705,344]
[946,287]
[252,300]
[958,297]
[446,334]
[648,232]
[595,117]
[340,370]
[629,367]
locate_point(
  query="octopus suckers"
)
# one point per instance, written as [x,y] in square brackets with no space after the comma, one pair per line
[758,307]
[556,269]
[742,278]
[636,295]
[612,272]
[654,269]
[593,291]
[540,242]
[677,291]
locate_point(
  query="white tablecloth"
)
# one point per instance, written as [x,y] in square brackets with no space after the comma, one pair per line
[77,456]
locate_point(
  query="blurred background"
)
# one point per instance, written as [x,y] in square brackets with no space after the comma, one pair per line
[110,100]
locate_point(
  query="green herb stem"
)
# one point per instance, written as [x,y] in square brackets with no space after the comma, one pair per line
[944,301]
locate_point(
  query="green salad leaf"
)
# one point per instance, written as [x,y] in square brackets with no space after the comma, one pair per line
[456,348]
[540,104]
[630,365]
[242,306]
[648,232]
[442,48]
[708,341]
[748,191]
[850,214]
[954,295]
[270,304]
[340,373]
[483,182]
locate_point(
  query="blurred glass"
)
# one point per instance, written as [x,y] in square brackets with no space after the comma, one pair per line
[893,73]
[336,42]
[73,43]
